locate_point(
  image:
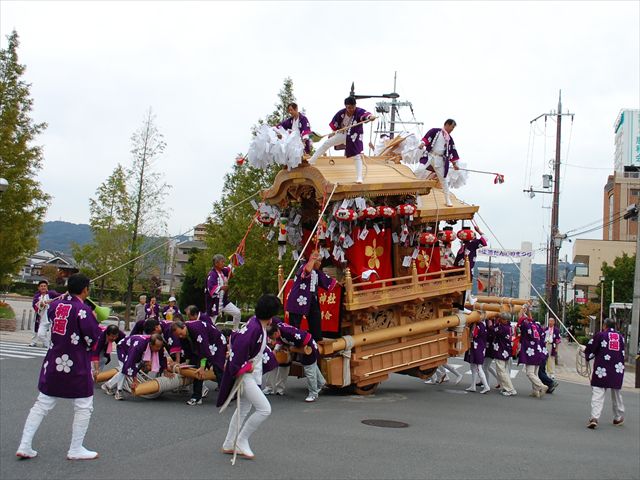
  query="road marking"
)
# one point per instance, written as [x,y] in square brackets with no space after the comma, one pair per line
[20,350]
[14,356]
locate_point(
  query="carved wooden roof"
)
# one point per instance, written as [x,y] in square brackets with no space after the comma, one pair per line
[432,207]
[381,178]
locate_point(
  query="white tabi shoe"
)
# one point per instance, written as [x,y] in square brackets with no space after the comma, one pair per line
[471,388]
[458,379]
[26,452]
[82,454]
[485,389]
[244,450]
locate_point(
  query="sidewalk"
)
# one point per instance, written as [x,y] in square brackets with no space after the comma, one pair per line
[566,368]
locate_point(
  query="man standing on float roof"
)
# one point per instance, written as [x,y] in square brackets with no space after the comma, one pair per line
[439,151]
[299,123]
[352,136]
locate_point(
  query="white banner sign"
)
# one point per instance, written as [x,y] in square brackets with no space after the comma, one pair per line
[504,253]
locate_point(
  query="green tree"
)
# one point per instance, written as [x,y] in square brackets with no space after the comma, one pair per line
[23,205]
[620,275]
[191,291]
[147,191]
[110,222]
[227,227]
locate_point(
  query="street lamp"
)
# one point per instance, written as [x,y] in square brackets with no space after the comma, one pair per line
[601,300]
[3,185]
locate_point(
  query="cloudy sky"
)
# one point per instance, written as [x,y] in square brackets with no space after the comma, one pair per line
[209,70]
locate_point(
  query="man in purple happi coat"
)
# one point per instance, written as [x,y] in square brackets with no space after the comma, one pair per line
[303,297]
[531,354]
[101,350]
[607,350]
[552,341]
[351,135]
[289,336]
[152,309]
[298,123]
[66,370]
[171,311]
[475,356]
[204,346]
[152,325]
[501,350]
[216,291]
[469,249]
[439,151]
[40,304]
[249,358]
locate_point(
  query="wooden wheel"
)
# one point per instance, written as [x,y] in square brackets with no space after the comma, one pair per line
[365,390]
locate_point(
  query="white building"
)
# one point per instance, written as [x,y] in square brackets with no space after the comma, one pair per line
[627,141]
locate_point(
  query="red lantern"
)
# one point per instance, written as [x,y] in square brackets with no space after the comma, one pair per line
[265,219]
[239,160]
[446,235]
[386,212]
[345,215]
[369,212]
[406,209]
[427,238]
[466,234]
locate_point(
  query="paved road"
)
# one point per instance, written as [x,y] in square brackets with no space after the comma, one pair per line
[451,434]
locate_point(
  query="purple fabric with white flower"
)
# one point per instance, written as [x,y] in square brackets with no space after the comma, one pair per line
[501,342]
[292,336]
[475,354]
[244,345]
[205,341]
[607,348]
[134,360]
[305,288]
[530,344]
[354,134]
[66,369]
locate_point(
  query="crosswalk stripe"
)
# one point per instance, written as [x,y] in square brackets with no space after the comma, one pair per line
[14,356]
[19,352]
[23,349]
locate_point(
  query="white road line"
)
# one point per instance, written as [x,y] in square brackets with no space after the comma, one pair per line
[14,356]
[39,351]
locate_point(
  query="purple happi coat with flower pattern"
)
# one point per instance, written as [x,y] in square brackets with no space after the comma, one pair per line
[100,347]
[292,336]
[66,369]
[214,295]
[304,127]
[152,311]
[305,287]
[557,339]
[450,152]
[245,344]
[205,341]
[354,134]
[124,345]
[530,344]
[501,344]
[475,354]
[172,342]
[135,356]
[607,348]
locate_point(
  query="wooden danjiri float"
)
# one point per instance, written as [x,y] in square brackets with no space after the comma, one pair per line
[393,308]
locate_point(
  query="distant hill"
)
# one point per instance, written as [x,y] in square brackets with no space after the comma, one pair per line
[512,277]
[59,235]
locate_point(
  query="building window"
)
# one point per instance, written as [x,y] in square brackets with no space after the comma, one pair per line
[610,236]
[582,270]
[634,192]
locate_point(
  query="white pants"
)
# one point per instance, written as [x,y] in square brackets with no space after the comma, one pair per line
[275,381]
[487,367]
[252,396]
[43,331]
[597,402]
[337,139]
[315,379]
[440,372]
[532,375]
[231,309]
[504,375]
[82,408]
[478,372]
[437,163]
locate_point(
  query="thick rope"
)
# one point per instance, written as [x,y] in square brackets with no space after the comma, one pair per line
[295,265]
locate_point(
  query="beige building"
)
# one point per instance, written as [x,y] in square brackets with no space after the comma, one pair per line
[622,189]
[590,255]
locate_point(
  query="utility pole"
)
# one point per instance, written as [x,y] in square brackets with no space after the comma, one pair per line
[632,212]
[555,239]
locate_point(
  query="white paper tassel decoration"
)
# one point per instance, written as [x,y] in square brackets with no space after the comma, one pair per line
[457,178]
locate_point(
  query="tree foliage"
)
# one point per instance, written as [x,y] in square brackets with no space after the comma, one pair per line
[147,191]
[24,204]
[620,274]
[110,220]
[229,224]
